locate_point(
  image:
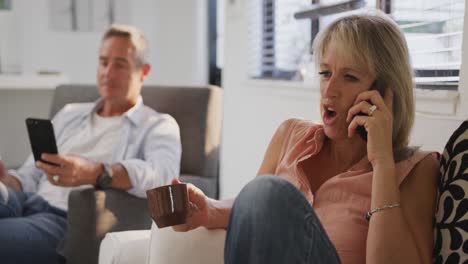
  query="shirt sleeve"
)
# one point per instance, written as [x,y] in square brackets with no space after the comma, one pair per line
[161,158]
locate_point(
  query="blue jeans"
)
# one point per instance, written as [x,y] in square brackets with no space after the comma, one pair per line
[30,229]
[272,222]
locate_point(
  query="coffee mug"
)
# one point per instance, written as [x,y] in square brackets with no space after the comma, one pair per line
[168,204]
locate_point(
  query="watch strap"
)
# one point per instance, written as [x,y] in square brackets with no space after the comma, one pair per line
[105,179]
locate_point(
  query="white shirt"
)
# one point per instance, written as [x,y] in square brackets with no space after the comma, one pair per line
[148,146]
[96,141]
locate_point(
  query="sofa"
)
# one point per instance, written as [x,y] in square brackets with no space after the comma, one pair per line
[161,246]
[93,213]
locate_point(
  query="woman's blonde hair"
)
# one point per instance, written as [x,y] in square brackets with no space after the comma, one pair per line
[375,43]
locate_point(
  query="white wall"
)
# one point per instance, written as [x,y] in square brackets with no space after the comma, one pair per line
[180,41]
[176,32]
[254,109]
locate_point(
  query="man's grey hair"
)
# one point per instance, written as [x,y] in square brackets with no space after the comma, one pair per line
[135,36]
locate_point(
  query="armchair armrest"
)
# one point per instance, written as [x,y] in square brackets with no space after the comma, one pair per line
[92,213]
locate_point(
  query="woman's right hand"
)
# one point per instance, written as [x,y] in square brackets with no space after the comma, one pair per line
[198,209]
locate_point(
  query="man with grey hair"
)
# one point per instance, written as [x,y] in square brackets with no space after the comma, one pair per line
[116,142]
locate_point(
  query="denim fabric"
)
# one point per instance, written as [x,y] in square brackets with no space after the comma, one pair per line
[271,222]
[30,230]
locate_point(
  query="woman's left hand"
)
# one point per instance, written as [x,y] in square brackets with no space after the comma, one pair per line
[378,124]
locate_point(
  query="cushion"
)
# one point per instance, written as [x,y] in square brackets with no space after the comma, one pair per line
[451,220]
[198,246]
[126,247]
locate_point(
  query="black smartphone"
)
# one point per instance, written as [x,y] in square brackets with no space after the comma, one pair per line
[379,86]
[42,138]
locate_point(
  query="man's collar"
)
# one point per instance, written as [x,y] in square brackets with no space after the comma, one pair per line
[134,114]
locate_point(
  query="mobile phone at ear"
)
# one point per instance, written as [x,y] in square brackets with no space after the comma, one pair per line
[42,138]
[376,85]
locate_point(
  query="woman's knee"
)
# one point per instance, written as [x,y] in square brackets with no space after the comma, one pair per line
[265,192]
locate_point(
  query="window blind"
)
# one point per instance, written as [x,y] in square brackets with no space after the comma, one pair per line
[5,4]
[281,42]
[433,29]
[434,32]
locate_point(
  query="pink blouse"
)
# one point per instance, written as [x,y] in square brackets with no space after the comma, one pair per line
[342,201]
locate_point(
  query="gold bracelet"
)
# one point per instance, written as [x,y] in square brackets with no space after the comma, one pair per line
[378,209]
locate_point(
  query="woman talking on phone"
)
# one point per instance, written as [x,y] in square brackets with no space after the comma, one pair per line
[339,195]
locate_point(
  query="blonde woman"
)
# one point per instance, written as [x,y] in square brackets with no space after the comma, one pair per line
[349,190]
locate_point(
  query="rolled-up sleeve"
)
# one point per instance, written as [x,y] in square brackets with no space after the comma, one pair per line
[160,164]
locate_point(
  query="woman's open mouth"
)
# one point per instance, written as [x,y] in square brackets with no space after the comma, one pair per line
[329,115]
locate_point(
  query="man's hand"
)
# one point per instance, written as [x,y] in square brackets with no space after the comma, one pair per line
[3,171]
[72,170]
[3,188]
[9,180]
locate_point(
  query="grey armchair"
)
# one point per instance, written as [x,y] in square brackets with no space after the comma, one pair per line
[92,213]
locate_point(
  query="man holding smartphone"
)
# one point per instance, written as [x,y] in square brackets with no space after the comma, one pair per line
[116,142]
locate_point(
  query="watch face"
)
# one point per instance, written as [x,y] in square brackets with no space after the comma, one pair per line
[104,181]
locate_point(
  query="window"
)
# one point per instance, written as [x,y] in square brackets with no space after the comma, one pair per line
[434,31]
[5,4]
[215,40]
[283,33]
[279,42]
[86,15]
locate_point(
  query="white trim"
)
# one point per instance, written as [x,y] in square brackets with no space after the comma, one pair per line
[290,89]
[441,95]
[422,80]
[280,84]
[31,82]
[436,102]
[438,117]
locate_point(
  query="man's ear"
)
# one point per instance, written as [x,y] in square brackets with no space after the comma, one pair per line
[145,70]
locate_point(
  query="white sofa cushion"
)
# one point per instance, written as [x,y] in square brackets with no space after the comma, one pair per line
[127,247]
[199,246]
